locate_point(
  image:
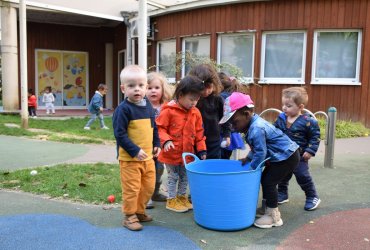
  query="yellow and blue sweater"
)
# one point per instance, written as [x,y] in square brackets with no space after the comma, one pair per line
[134,128]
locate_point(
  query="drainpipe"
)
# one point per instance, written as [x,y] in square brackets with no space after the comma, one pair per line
[143,30]
[126,16]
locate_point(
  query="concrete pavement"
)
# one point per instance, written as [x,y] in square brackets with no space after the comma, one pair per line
[343,190]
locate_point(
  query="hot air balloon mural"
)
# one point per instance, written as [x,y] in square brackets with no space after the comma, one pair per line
[51,64]
[49,74]
[66,73]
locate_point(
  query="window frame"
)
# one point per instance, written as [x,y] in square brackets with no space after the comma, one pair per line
[283,80]
[169,79]
[245,79]
[192,38]
[336,81]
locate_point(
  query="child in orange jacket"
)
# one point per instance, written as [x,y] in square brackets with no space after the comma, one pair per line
[180,130]
[32,104]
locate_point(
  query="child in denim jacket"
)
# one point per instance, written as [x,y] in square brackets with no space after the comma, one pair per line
[265,141]
[96,107]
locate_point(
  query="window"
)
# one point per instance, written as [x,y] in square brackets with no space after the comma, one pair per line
[198,47]
[283,57]
[237,50]
[166,59]
[336,57]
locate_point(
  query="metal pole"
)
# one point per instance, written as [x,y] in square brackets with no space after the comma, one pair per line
[143,30]
[23,55]
[330,135]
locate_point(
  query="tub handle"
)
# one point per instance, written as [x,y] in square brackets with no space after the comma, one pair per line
[189,154]
[262,163]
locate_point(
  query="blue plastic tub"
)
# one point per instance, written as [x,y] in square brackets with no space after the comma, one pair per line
[223,192]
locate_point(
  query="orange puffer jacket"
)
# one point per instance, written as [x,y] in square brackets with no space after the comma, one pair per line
[184,128]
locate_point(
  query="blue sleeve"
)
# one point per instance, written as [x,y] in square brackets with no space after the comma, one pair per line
[258,142]
[280,121]
[313,137]
[156,141]
[120,125]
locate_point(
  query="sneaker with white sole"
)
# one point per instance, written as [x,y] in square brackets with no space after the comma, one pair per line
[105,127]
[312,203]
[272,218]
[282,198]
[87,128]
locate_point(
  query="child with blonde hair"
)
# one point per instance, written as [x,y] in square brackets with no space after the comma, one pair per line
[137,144]
[158,93]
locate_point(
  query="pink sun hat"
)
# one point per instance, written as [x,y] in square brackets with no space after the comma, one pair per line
[234,102]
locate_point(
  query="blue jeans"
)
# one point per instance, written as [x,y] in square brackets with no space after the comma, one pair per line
[93,118]
[303,178]
[159,168]
[176,173]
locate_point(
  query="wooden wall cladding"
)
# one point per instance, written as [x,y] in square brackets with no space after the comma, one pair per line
[352,102]
[70,38]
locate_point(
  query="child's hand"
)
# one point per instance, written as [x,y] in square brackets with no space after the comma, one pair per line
[168,145]
[306,156]
[101,109]
[141,155]
[227,139]
[156,151]
[244,161]
[203,157]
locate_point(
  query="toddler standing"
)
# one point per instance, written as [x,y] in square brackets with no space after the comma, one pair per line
[158,94]
[48,98]
[265,141]
[230,85]
[32,104]
[137,143]
[180,130]
[305,131]
[210,106]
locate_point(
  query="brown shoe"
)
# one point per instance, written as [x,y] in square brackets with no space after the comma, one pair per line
[132,223]
[144,217]
[184,201]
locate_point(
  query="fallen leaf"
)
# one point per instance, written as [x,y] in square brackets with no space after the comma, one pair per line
[203,241]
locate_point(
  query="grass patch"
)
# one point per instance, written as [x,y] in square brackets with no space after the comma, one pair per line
[90,183]
[69,130]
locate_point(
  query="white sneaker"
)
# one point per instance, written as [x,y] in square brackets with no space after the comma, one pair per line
[105,127]
[87,128]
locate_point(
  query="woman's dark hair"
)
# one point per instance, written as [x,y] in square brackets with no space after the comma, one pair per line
[189,85]
[208,75]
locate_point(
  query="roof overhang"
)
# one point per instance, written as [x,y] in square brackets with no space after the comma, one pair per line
[112,9]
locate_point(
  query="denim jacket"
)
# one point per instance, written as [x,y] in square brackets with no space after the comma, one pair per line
[266,141]
[95,103]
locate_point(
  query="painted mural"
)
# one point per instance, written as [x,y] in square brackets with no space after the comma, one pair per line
[66,73]
[74,79]
[49,73]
